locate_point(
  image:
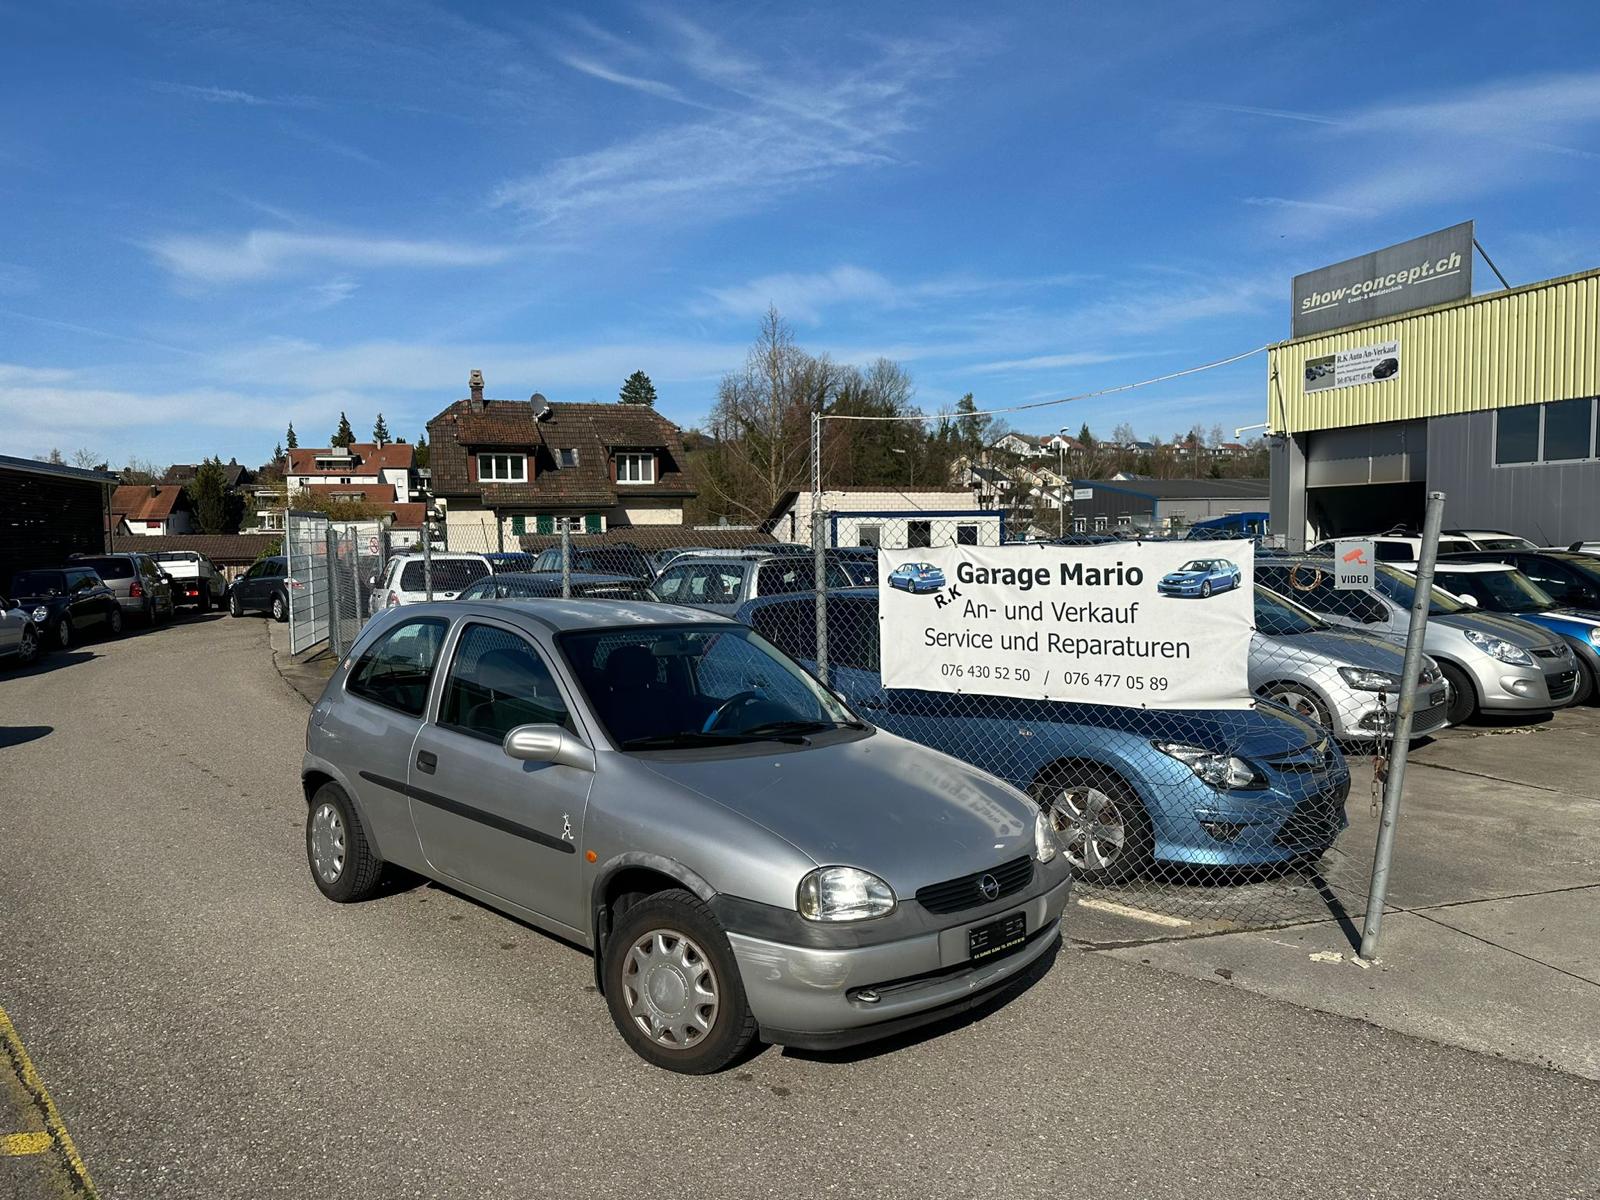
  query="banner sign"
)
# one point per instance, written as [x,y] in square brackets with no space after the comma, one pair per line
[1364,364]
[1433,269]
[1140,624]
[1355,565]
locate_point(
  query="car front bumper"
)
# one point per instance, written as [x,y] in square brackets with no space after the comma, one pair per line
[820,998]
[1506,688]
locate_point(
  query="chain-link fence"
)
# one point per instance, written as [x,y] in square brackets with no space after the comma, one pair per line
[357,554]
[305,547]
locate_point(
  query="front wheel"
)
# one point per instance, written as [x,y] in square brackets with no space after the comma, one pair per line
[342,862]
[1583,688]
[1101,822]
[28,648]
[1462,704]
[235,609]
[1205,590]
[1300,699]
[280,610]
[673,985]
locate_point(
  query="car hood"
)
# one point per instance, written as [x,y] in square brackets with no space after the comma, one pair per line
[35,601]
[1182,576]
[1518,633]
[906,813]
[1345,648]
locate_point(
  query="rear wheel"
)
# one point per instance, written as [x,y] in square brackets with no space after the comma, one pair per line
[341,859]
[1462,705]
[673,985]
[204,604]
[63,633]
[1101,822]
[280,610]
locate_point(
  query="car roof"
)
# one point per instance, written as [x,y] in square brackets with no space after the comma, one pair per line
[561,615]
[1456,566]
[440,556]
[596,577]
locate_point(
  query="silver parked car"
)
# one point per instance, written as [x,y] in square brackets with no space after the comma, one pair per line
[1347,682]
[1492,663]
[743,855]
[721,583]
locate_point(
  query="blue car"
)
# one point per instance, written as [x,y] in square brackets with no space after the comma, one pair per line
[917,577]
[1132,787]
[510,560]
[1200,577]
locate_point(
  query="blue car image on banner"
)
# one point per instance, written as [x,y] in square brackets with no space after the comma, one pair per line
[1201,577]
[917,577]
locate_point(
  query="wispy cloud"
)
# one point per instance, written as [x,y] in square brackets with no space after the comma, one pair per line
[804,296]
[1046,362]
[773,126]
[91,331]
[1305,205]
[1281,114]
[264,253]
[331,145]
[332,292]
[17,280]
[223,95]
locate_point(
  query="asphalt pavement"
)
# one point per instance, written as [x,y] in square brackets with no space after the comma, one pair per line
[210,1026]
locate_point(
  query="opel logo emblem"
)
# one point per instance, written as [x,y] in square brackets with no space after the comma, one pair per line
[990,887]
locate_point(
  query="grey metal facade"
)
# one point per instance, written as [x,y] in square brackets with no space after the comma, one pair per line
[1550,503]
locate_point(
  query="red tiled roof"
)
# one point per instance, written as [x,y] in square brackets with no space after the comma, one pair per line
[366,493]
[146,502]
[395,456]
[408,516]
[224,549]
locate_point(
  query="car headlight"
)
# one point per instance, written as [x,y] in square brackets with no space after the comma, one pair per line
[1366,679]
[1499,648]
[41,614]
[1222,771]
[1045,845]
[843,894]
[1594,636]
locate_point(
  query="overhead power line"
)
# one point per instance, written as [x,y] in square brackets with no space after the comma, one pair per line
[1015,408]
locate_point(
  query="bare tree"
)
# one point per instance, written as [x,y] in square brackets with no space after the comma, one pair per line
[86,458]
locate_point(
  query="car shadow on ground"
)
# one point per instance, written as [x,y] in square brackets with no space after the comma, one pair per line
[49,660]
[19,735]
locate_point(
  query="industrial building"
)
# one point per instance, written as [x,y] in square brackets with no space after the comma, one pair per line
[48,511]
[1160,505]
[1489,399]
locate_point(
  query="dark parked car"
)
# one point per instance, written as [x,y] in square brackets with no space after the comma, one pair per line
[263,588]
[66,601]
[617,558]
[511,561]
[142,588]
[547,584]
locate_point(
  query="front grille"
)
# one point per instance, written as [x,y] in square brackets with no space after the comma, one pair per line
[1561,684]
[1315,822]
[1551,651]
[953,895]
[1429,718]
[1311,759]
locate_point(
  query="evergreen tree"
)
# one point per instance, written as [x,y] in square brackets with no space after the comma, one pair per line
[346,436]
[291,442]
[209,496]
[971,428]
[637,389]
[422,450]
[380,431]
[1085,436]
[277,452]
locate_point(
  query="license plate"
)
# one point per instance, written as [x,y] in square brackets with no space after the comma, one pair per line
[997,937]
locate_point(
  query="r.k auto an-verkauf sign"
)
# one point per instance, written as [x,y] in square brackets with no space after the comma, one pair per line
[1433,269]
[1347,368]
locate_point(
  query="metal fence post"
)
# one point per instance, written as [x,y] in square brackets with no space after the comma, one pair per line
[566,559]
[819,563]
[427,551]
[1394,784]
[358,597]
[330,544]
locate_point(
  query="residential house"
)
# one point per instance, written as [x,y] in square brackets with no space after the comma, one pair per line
[1229,450]
[507,468]
[890,518]
[393,464]
[151,510]
[235,476]
[1016,443]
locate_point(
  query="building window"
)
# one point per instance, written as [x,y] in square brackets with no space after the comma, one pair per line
[1080,525]
[966,535]
[567,457]
[636,468]
[1560,431]
[502,468]
[919,534]
[1099,524]
[867,535]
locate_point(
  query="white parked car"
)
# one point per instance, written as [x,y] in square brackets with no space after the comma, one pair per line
[1400,547]
[405,579]
[195,579]
[1491,539]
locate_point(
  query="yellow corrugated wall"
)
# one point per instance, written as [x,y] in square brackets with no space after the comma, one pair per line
[1525,346]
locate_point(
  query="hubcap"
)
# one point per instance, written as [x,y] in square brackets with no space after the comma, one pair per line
[29,647]
[327,843]
[64,632]
[1299,702]
[1091,827]
[670,989]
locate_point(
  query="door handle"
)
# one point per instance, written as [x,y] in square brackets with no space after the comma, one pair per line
[427,761]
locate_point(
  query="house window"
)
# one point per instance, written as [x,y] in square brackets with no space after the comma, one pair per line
[919,534]
[966,535]
[502,468]
[1080,525]
[567,457]
[636,468]
[867,535]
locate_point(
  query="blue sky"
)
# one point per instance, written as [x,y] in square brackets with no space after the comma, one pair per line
[219,218]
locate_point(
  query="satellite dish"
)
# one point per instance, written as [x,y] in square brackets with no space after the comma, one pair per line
[541,406]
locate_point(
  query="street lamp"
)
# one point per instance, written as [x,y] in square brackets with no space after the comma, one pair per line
[911,466]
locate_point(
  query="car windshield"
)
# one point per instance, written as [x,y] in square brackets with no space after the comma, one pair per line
[1504,543]
[666,687]
[1278,616]
[449,574]
[1498,591]
[1402,589]
[108,568]
[1199,564]
[37,583]
[176,556]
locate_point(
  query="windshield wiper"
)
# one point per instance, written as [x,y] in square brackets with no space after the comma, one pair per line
[782,727]
[693,737]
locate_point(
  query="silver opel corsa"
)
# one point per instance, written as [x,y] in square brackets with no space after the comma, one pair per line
[744,856]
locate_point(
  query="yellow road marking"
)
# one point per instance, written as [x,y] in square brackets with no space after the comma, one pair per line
[14,1145]
[56,1130]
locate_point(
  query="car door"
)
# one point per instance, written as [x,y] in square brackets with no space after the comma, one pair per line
[84,600]
[507,827]
[12,623]
[384,702]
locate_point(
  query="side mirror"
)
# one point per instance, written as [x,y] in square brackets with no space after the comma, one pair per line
[548,744]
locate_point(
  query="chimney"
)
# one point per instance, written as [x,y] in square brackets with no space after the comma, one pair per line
[155,489]
[475,388]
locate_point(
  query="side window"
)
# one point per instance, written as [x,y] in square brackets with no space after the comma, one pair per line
[670,584]
[791,627]
[853,635]
[397,669]
[497,681]
[716,585]
[1557,580]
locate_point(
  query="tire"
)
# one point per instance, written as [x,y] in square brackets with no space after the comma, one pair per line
[1205,590]
[1085,798]
[204,604]
[672,940]
[63,633]
[114,621]
[280,610]
[1584,689]
[235,609]
[28,648]
[1300,699]
[150,612]
[342,863]
[1462,705]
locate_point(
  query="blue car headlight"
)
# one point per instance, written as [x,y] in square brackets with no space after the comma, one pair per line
[1594,636]
[1225,772]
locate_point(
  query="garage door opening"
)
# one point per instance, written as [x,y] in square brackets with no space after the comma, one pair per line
[1365,508]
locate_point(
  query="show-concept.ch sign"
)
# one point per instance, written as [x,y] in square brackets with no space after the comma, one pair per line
[1141,624]
[1347,368]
